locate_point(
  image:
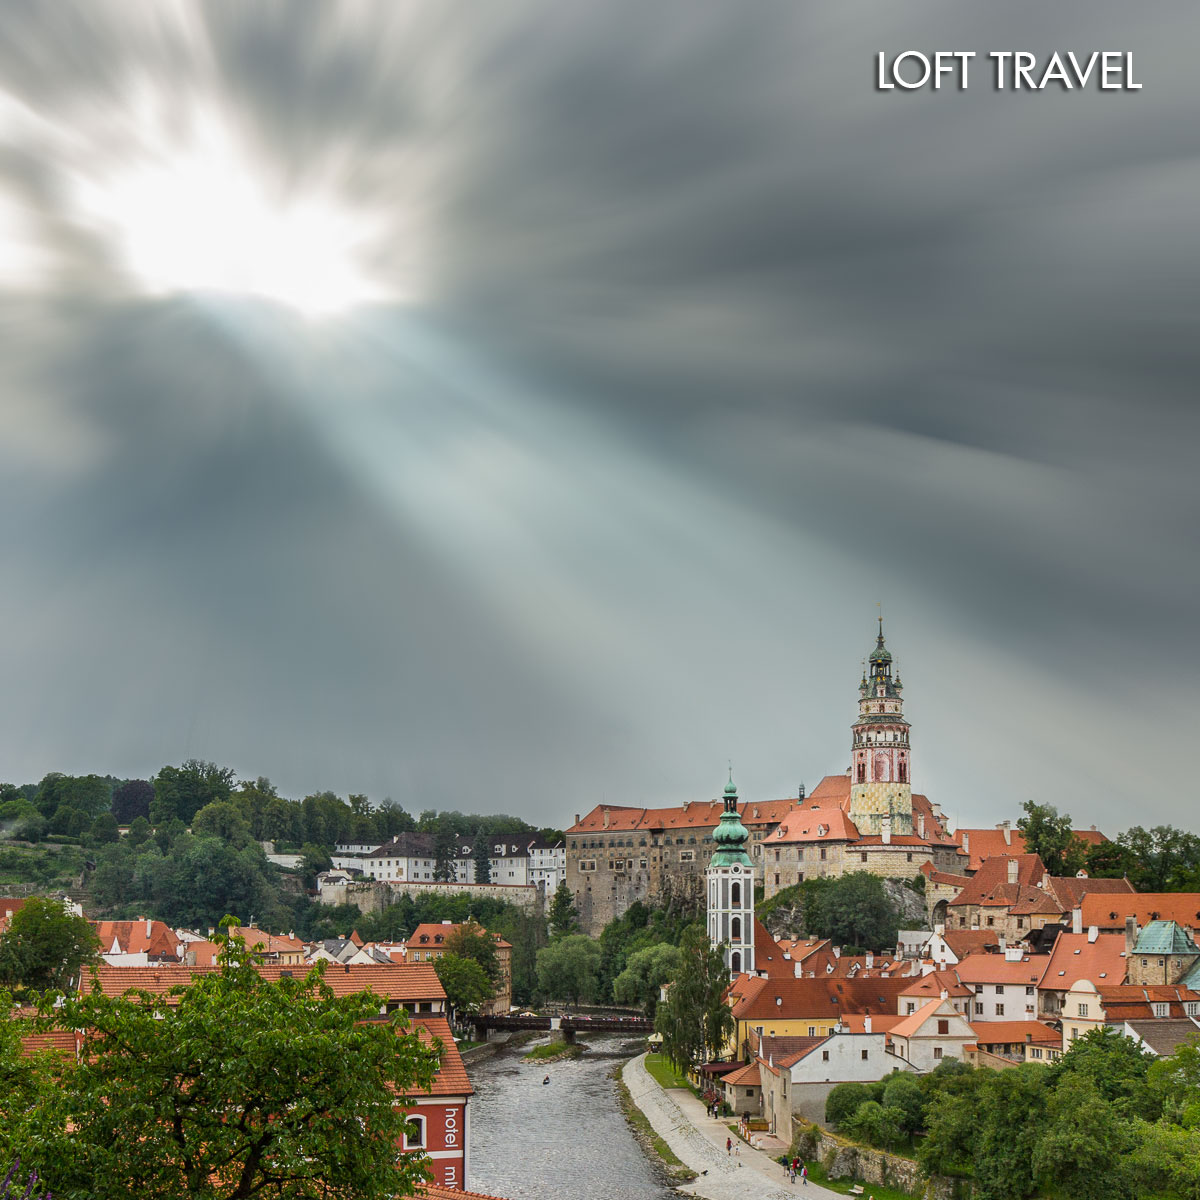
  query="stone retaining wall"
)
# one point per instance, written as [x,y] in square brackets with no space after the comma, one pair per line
[844,1159]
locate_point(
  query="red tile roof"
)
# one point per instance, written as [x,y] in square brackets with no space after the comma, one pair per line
[696,814]
[1071,889]
[990,886]
[768,955]
[436,1191]
[1074,958]
[909,1026]
[407,982]
[815,823]
[808,998]
[451,1078]
[747,1076]
[970,941]
[1109,912]
[1131,1002]
[996,1033]
[985,843]
[995,968]
[880,1022]
[62,1043]
[154,938]
[935,983]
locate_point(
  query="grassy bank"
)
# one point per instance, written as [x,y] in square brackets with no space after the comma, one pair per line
[675,1169]
[663,1072]
[554,1051]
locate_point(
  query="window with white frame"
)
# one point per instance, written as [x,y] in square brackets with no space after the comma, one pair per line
[416,1140]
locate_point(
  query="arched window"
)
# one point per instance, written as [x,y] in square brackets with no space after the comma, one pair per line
[903,772]
[735,961]
[735,928]
[415,1141]
[735,893]
[862,773]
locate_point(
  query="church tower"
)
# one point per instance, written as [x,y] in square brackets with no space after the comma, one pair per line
[880,784]
[731,889]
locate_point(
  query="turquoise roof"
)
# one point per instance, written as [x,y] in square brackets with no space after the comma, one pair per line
[1165,937]
[1191,977]
[730,835]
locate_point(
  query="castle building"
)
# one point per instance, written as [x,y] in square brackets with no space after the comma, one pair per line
[880,791]
[730,879]
[866,819]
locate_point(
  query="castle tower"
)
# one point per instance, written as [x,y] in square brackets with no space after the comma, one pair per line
[880,783]
[731,889]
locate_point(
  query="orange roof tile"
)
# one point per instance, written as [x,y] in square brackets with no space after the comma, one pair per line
[990,884]
[696,814]
[1074,958]
[985,843]
[815,823]
[970,941]
[747,1076]
[995,968]
[436,1191]
[995,1033]
[909,1026]
[1071,889]
[1110,911]
[880,1022]
[137,937]
[768,955]
[935,983]
[822,998]
[451,1078]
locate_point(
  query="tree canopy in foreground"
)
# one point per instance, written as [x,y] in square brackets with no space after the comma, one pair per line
[231,1088]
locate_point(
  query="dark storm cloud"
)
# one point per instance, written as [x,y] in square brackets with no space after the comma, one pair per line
[745,347]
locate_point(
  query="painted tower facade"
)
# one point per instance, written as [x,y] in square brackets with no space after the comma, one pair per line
[731,889]
[880,780]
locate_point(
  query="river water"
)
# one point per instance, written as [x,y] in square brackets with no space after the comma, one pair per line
[565,1140]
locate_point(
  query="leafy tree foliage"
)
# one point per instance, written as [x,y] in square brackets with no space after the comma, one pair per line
[234,1088]
[1167,1158]
[563,917]
[222,819]
[445,849]
[645,972]
[1116,1066]
[1162,859]
[1082,1148]
[1049,835]
[104,830]
[568,969]
[467,985]
[483,861]
[472,942]
[695,1022]
[86,794]
[44,946]
[855,912]
[181,792]
[843,1102]
[131,799]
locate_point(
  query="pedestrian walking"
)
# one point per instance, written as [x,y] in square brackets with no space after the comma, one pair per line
[804,1174]
[728,1146]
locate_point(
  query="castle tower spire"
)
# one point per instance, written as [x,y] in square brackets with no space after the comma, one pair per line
[880,782]
[731,888]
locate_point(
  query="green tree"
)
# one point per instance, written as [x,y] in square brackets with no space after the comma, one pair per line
[563,917]
[27,1084]
[483,861]
[843,1102]
[235,1088]
[471,941]
[695,1022]
[1166,1159]
[139,832]
[1083,1144]
[903,1094]
[1051,837]
[1116,1066]
[568,968]
[855,912]
[1174,1082]
[445,846]
[44,946]
[222,819]
[948,1147]
[131,799]
[644,975]
[1011,1110]
[466,983]
[1162,859]
[875,1124]
[104,829]
[181,792]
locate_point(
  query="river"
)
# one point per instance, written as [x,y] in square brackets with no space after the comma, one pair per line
[565,1140]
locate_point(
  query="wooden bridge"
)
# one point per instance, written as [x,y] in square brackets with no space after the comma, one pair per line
[568,1025]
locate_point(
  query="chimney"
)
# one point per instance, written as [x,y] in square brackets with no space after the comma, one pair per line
[945,994]
[870,960]
[1131,934]
[605,818]
[576,818]
[1003,940]
[966,842]
[867,1023]
[837,952]
[1006,826]
[1093,932]
[1077,919]
[921,825]
[1012,870]
[149,923]
[1013,954]
[940,929]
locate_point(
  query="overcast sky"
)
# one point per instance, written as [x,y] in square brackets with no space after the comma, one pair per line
[520,406]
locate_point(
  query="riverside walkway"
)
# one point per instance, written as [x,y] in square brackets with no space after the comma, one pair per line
[682,1122]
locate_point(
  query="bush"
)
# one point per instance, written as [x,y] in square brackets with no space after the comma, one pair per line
[843,1102]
